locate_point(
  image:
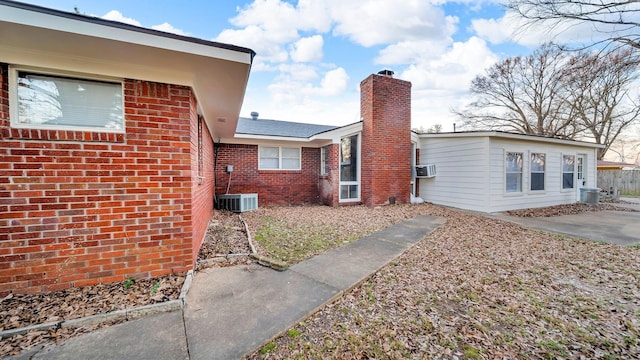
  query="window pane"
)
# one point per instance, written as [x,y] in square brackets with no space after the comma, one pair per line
[537,162]
[348,191]
[50,100]
[514,162]
[537,181]
[324,160]
[537,170]
[268,152]
[514,182]
[349,158]
[567,180]
[268,163]
[567,163]
[291,153]
[291,164]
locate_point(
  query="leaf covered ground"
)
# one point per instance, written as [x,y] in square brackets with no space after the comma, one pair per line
[476,288]
[481,288]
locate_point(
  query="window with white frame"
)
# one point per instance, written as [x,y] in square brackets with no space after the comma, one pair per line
[324,160]
[350,168]
[278,158]
[513,179]
[568,167]
[57,102]
[537,170]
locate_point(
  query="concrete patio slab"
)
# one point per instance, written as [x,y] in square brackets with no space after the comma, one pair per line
[614,227]
[230,311]
[155,337]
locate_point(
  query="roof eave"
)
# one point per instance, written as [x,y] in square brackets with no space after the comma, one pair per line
[39,37]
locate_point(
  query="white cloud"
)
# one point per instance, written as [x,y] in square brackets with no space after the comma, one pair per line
[270,26]
[511,28]
[334,83]
[385,22]
[454,69]
[492,30]
[406,52]
[166,27]
[308,49]
[441,83]
[116,15]
[267,46]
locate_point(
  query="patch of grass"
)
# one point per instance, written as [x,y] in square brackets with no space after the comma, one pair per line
[555,348]
[155,287]
[636,245]
[267,348]
[293,243]
[130,281]
[293,333]
[471,352]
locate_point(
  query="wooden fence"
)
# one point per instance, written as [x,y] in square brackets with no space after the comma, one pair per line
[627,181]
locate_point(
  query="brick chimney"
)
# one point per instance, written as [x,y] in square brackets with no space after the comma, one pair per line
[385,107]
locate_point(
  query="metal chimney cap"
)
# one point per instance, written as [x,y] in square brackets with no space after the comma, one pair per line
[254,115]
[386,73]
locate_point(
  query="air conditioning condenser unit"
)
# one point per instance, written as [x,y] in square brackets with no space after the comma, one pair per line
[237,202]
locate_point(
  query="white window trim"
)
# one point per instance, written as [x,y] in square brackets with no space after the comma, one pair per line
[359,171]
[546,184]
[522,173]
[562,188]
[280,158]
[13,99]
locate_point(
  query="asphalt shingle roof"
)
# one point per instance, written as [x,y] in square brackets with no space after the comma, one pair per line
[248,126]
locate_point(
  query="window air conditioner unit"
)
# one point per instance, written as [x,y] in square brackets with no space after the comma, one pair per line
[238,202]
[426,171]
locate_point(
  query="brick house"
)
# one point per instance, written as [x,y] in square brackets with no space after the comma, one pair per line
[116,140]
[290,163]
[105,146]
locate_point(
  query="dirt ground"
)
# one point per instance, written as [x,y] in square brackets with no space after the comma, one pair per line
[476,288]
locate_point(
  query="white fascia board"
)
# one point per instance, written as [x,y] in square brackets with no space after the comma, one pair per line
[270,138]
[88,28]
[336,135]
[522,137]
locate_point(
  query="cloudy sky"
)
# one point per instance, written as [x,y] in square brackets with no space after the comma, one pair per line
[312,54]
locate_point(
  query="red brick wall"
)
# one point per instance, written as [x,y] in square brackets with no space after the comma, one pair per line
[385,106]
[75,213]
[202,191]
[274,187]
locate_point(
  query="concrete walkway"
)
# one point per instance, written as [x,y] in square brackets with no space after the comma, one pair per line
[230,312]
[614,227]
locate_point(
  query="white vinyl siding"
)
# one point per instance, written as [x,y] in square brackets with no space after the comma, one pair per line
[278,158]
[472,172]
[48,101]
[463,172]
